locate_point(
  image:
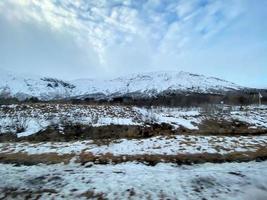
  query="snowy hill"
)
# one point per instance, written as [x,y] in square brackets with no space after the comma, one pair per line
[21,87]
[155,83]
[146,84]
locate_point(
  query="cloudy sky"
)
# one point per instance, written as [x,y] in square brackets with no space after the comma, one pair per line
[105,38]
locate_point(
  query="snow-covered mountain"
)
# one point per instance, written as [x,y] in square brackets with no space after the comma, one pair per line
[155,83]
[145,84]
[24,86]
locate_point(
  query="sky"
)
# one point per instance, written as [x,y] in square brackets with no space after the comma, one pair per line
[72,39]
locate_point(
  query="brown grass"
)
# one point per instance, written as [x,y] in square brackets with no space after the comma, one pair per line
[260,154]
[223,127]
[27,159]
[14,193]
[83,158]
[93,195]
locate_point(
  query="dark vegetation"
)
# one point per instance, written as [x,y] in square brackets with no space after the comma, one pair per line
[170,98]
[106,134]
[54,83]
[173,98]
[74,132]
[6,101]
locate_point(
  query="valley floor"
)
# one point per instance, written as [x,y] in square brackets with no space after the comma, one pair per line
[57,151]
[27,119]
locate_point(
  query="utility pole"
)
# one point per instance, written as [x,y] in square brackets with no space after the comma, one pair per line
[260,97]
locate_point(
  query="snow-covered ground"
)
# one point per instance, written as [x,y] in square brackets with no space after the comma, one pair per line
[131,180]
[35,117]
[181,144]
[256,116]
[231,181]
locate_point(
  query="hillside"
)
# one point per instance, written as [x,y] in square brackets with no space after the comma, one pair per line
[146,84]
[24,86]
[154,83]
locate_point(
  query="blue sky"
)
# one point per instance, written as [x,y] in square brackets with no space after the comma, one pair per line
[105,38]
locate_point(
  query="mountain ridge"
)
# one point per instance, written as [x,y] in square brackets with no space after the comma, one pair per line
[147,84]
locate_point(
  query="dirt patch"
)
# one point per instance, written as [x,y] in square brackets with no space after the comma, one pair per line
[8,137]
[227,128]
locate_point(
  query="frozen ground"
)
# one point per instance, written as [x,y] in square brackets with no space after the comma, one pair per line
[237,181]
[27,119]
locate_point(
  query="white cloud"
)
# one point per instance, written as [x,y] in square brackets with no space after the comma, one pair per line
[129,32]
[106,23]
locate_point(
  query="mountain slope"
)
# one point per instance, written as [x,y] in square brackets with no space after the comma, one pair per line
[155,83]
[21,87]
[145,84]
